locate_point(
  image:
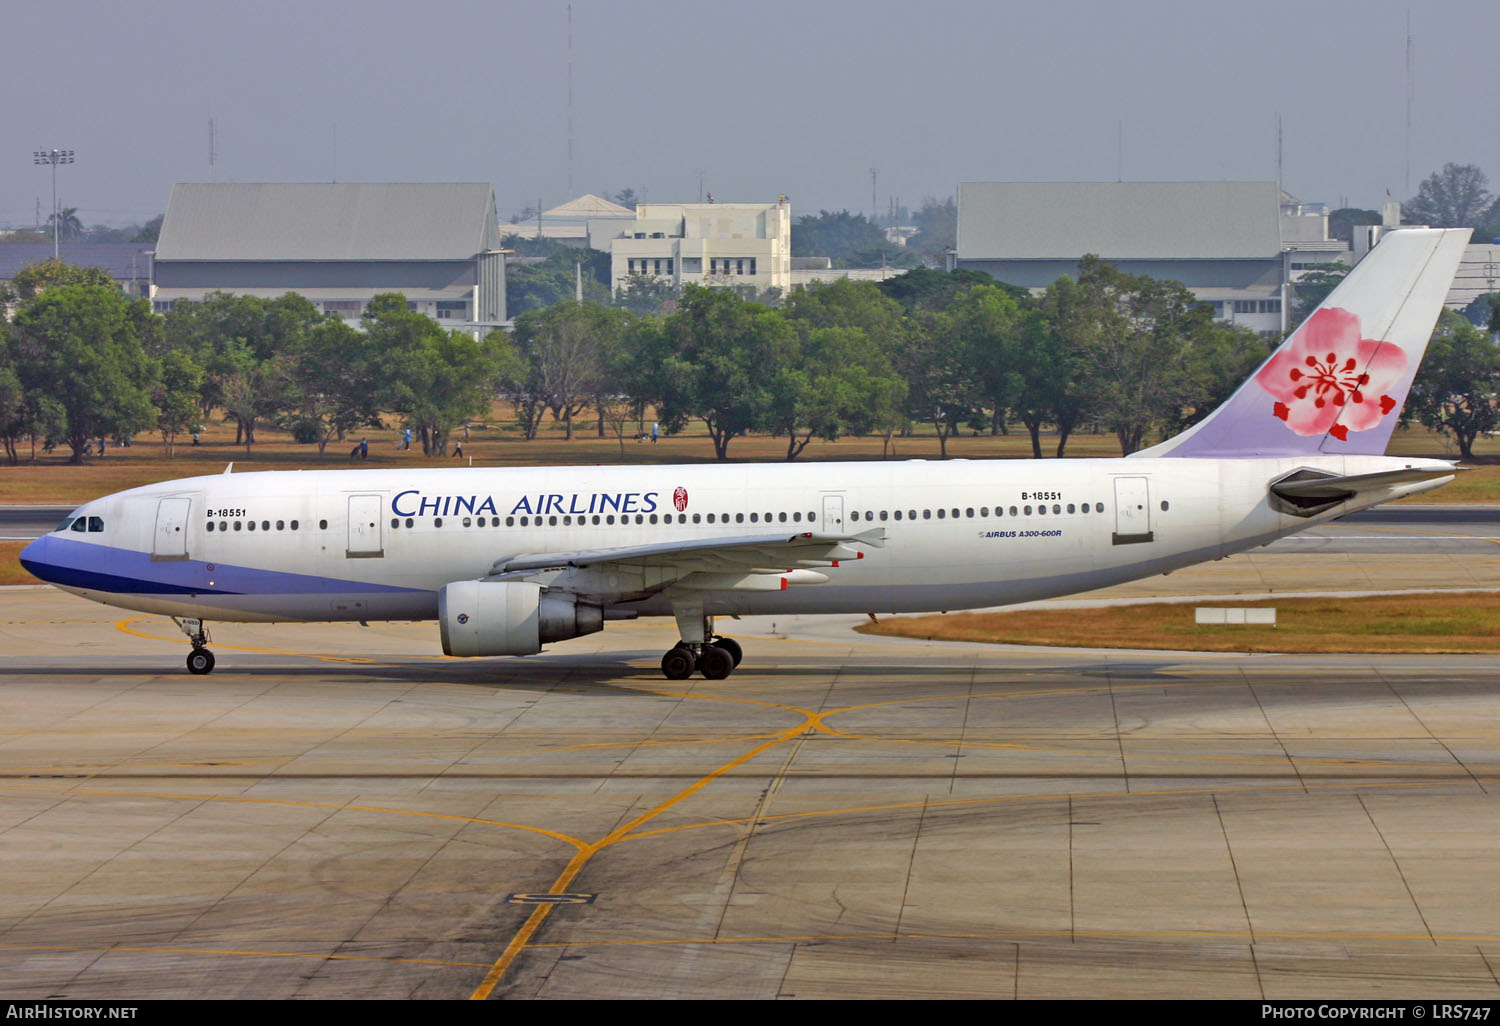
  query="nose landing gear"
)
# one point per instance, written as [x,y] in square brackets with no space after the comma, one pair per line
[200,660]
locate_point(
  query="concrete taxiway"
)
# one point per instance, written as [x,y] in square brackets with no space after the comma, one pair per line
[342,812]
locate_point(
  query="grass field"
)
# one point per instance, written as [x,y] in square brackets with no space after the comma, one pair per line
[51,480]
[1432,623]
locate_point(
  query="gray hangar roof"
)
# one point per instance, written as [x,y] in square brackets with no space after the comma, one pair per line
[1118,220]
[328,221]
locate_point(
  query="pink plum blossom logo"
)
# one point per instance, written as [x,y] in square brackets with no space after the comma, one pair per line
[1330,380]
[680,498]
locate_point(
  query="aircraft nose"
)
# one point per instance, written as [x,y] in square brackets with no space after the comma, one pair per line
[34,559]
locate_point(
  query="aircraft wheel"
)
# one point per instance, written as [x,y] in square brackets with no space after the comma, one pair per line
[732,647]
[677,664]
[200,661]
[716,662]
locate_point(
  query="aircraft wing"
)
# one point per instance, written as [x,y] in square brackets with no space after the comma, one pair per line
[749,554]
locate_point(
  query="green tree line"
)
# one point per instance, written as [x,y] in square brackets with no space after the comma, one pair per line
[950,352]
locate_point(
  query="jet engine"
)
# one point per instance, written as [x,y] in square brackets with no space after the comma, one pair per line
[487,618]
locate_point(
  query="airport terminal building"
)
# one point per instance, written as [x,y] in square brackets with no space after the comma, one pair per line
[339,245]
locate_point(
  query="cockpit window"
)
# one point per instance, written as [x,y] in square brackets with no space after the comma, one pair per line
[81,524]
[63,526]
[96,524]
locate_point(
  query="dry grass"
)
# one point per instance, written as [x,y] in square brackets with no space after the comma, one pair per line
[52,480]
[1429,623]
[10,566]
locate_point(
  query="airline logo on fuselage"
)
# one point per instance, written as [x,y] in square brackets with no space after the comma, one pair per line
[415,503]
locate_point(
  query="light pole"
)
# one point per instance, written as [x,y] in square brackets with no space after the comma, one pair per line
[53,157]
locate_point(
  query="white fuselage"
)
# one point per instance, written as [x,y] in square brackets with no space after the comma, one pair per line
[379,544]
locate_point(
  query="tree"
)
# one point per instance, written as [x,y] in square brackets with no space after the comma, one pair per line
[30,280]
[937,230]
[1054,363]
[435,379]
[1141,347]
[568,349]
[329,382]
[236,340]
[175,397]
[554,279]
[944,387]
[841,383]
[77,345]
[69,227]
[986,324]
[926,289]
[626,198]
[1313,287]
[849,240]
[717,357]
[1458,196]
[1455,391]
[1341,222]
[151,230]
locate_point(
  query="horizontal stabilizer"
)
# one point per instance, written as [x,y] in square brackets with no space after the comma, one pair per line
[1310,492]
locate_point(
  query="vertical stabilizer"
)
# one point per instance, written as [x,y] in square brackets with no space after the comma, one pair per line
[1338,383]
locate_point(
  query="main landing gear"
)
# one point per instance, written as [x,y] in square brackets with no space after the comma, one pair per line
[200,660]
[700,649]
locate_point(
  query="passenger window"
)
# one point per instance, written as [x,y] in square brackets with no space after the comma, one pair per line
[797,517]
[281,525]
[236,525]
[467,522]
[739,518]
[294,524]
[322,525]
[882,514]
[1070,507]
[754,518]
[697,517]
[1028,511]
[395,522]
[898,514]
[1013,510]
[250,525]
[781,517]
[941,514]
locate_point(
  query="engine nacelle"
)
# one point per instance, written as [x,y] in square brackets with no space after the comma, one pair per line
[487,618]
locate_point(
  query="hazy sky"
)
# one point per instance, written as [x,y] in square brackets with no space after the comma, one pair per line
[800,97]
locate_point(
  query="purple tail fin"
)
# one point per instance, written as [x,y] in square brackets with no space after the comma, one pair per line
[1338,383]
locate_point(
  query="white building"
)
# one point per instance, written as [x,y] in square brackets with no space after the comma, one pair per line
[738,245]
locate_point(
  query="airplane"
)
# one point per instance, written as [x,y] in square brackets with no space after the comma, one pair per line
[507,560]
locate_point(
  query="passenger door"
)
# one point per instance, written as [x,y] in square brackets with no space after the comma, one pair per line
[1132,510]
[364,527]
[170,539]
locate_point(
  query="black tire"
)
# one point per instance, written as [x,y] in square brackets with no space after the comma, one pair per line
[200,661]
[732,647]
[716,662]
[677,664]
